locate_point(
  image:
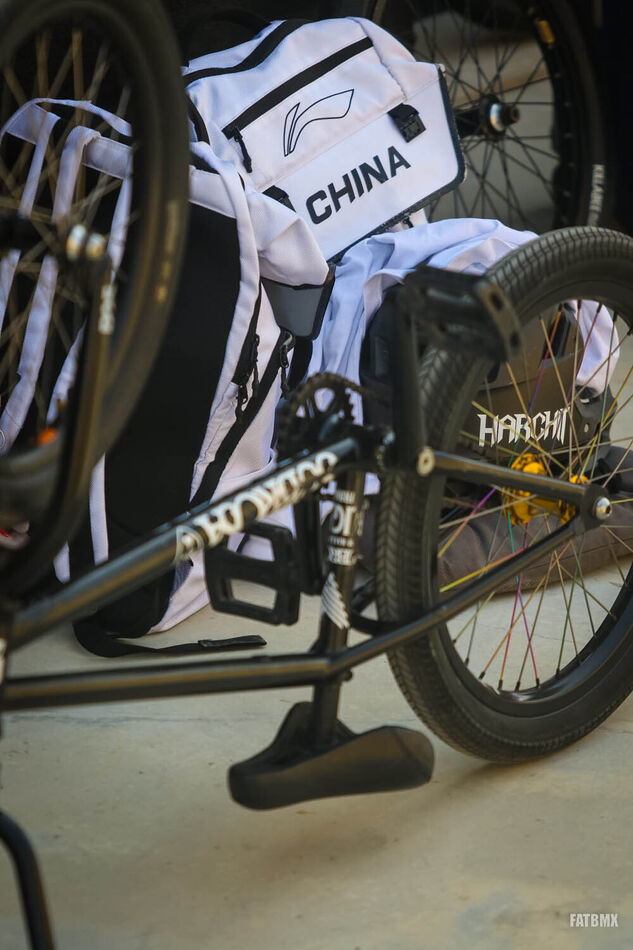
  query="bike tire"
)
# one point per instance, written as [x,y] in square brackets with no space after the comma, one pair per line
[550,167]
[565,684]
[122,57]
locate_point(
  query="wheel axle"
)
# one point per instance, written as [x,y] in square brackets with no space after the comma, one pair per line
[488,117]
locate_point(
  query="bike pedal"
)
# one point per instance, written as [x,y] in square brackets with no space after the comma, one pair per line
[290,770]
[281,575]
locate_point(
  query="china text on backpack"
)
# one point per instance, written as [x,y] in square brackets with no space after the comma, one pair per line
[334,118]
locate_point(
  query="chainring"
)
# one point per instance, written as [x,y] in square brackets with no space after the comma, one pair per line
[302,419]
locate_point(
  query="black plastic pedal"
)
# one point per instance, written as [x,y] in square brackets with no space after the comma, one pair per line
[289,770]
[281,575]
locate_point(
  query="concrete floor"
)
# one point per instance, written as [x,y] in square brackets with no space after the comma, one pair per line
[143,849]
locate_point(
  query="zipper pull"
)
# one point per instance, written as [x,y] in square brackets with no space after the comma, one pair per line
[242,381]
[254,351]
[242,398]
[286,345]
[234,133]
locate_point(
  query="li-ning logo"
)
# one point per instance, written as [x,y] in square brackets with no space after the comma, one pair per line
[542,425]
[335,106]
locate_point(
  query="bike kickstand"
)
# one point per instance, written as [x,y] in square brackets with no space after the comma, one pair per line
[314,754]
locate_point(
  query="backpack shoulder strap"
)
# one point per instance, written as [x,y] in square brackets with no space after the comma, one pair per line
[91,635]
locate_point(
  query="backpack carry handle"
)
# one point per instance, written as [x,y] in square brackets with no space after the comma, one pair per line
[201,17]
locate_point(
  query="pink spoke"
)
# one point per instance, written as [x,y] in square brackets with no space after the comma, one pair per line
[518,598]
[542,369]
[465,522]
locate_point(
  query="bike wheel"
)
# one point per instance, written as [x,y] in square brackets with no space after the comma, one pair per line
[547,656]
[93,133]
[527,106]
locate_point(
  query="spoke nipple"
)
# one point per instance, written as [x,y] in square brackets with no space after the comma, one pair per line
[602,509]
[426,462]
[96,246]
[75,242]
[80,243]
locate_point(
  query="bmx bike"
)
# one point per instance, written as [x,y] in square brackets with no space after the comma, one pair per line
[544,487]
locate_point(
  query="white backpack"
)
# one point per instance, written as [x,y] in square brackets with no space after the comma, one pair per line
[339,123]
[335,118]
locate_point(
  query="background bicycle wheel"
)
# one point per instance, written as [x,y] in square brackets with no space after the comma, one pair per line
[527,104]
[117,166]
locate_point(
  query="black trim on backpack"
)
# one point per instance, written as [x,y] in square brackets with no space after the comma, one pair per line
[247,361]
[258,55]
[202,316]
[215,468]
[202,165]
[297,82]
[300,309]
[279,195]
[301,356]
[198,123]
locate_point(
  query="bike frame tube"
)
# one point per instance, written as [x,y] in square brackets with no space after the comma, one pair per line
[266,672]
[204,527]
[211,523]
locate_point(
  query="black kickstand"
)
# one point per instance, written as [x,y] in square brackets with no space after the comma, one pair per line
[29,883]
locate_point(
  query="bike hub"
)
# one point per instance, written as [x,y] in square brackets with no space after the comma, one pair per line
[489,117]
[522,506]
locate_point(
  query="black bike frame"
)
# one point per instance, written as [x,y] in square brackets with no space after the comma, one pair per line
[458,310]
[208,526]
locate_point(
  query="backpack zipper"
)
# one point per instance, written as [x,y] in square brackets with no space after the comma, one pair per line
[242,380]
[285,346]
[304,78]
[233,132]
[247,362]
[235,433]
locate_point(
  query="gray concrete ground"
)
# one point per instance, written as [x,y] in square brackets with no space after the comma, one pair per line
[143,849]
